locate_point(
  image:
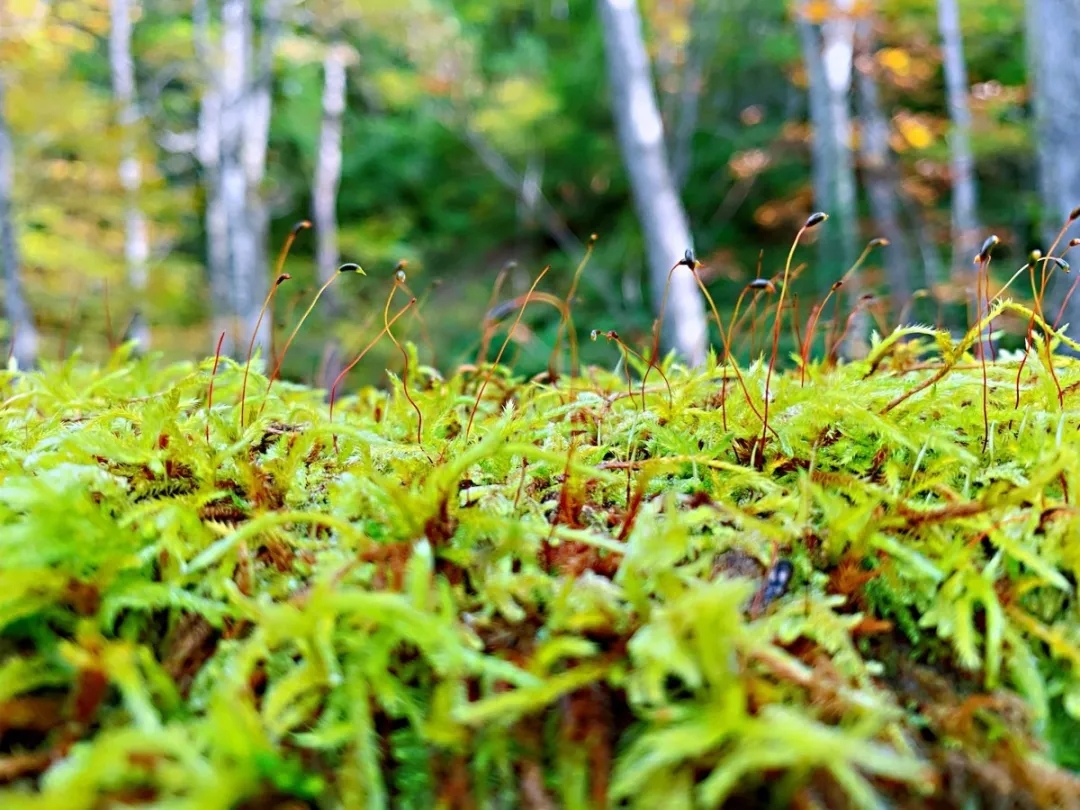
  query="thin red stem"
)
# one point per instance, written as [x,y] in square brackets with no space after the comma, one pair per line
[281,279]
[813,220]
[359,357]
[210,390]
[108,320]
[399,280]
[498,357]
[658,326]
[288,343]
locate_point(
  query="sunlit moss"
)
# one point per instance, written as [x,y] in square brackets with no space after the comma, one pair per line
[574,599]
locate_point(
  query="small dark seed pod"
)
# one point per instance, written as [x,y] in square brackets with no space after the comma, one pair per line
[815,219]
[299,226]
[984,253]
[351,267]
[762,284]
[282,279]
[1074,214]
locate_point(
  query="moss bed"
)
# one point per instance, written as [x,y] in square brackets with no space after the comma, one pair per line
[575,597]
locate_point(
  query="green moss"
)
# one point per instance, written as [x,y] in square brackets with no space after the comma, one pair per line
[572,600]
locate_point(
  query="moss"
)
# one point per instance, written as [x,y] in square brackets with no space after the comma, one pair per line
[586,597]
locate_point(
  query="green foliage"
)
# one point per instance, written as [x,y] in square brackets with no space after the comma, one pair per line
[531,83]
[568,598]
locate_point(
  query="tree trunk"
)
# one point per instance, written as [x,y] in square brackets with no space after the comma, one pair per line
[234,129]
[136,239]
[208,149]
[1054,29]
[880,176]
[965,224]
[23,336]
[708,18]
[659,209]
[255,279]
[838,33]
[829,61]
[822,159]
[325,192]
[240,240]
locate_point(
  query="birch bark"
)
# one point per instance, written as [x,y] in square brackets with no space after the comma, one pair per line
[656,200]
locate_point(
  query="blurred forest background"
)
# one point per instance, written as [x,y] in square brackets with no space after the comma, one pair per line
[155,154]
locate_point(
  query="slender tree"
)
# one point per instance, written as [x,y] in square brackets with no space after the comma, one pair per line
[253,274]
[710,20]
[1053,31]
[879,172]
[136,238]
[232,142]
[659,209]
[23,333]
[822,157]
[828,52]
[240,229]
[965,225]
[327,182]
[208,149]
[838,33]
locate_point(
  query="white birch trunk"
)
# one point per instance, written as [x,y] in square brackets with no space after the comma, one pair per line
[965,224]
[829,61]
[1054,30]
[255,278]
[235,53]
[208,153]
[881,178]
[838,33]
[234,130]
[328,163]
[23,337]
[136,238]
[822,157]
[710,19]
[326,185]
[659,209]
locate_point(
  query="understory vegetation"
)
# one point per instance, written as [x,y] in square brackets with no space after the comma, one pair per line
[825,584]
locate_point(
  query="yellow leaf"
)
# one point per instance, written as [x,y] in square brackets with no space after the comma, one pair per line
[817,11]
[917,134]
[895,60]
[679,33]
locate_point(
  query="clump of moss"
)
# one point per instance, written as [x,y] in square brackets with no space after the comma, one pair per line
[596,595]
